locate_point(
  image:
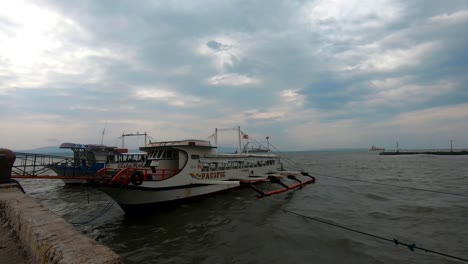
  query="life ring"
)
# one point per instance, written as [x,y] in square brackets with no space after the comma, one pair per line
[136,178]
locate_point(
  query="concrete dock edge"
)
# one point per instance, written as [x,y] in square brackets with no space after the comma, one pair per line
[46,237]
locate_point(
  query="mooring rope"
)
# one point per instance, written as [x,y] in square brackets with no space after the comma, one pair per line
[392,185]
[411,247]
[278,152]
[104,210]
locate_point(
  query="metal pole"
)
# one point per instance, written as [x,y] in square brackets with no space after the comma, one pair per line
[240,143]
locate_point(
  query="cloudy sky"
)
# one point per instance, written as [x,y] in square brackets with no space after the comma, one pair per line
[309,74]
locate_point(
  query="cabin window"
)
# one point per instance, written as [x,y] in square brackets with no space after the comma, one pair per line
[170,154]
[195,156]
[160,153]
[205,166]
[213,166]
[191,143]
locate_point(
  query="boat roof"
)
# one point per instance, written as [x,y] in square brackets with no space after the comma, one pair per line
[179,143]
[133,153]
[84,146]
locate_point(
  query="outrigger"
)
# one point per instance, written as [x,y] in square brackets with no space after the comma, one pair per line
[184,169]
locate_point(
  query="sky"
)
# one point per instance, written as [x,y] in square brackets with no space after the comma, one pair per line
[320,74]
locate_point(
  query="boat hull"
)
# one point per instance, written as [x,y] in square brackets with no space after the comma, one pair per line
[138,200]
[69,171]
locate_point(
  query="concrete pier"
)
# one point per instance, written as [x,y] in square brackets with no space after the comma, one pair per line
[44,236]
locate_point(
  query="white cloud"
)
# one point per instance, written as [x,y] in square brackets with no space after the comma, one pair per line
[452,18]
[258,114]
[169,96]
[432,115]
[376,58]
[292,97]
[335,18]
[403,91]
[232,79]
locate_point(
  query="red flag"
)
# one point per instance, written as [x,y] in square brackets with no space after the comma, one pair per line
[246,136]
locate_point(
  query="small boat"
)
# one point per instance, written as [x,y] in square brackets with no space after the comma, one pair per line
[374,148]
[184,169]
[88,159]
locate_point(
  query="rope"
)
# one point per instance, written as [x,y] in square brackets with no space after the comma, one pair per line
[411,247]
[278,152]
[392,185]
[104,210]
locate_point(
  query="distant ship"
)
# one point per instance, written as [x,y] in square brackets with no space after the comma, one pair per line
[376,148]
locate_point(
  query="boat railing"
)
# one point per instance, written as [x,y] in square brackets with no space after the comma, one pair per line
[125,175]
[158,174]
[32,164]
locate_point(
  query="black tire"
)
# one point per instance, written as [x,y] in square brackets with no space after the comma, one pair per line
[136,178]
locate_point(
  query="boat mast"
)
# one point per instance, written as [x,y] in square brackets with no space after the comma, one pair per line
[103,131]
[240,144]
[131,135]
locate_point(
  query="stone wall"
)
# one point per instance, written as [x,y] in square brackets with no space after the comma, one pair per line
[47,237]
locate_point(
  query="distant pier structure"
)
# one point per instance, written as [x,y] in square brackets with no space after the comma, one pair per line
[434,152]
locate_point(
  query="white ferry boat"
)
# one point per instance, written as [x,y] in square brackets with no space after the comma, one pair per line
[177,170]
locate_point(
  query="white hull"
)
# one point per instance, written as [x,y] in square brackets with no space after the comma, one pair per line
[141,196]
[74,181]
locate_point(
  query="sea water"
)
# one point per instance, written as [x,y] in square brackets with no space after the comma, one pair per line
[236,227]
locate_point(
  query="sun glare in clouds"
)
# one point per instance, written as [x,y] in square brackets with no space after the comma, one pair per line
[37,44]
[31,35]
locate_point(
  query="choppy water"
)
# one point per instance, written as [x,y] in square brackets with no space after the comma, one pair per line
[235,227]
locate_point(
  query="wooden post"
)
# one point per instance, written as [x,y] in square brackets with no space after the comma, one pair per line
[7,159]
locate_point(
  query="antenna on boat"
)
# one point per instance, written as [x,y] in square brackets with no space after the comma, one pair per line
[240,144]
[103,131]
